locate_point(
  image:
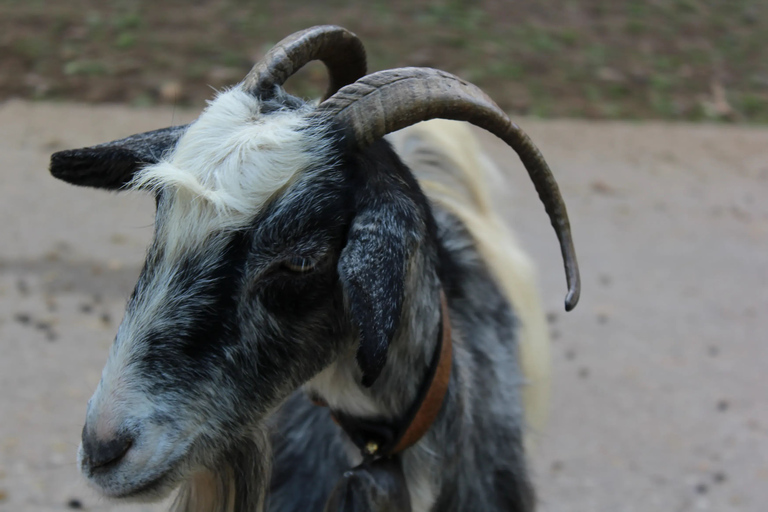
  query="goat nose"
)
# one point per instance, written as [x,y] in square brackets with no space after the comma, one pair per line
[99,453]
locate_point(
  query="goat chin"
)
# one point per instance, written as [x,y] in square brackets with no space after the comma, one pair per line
[238,483]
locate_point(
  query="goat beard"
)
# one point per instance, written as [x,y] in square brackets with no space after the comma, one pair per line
[239,482]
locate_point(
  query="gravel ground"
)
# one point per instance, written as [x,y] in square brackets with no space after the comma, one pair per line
[660,386]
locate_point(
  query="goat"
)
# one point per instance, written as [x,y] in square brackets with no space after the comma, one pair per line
[297,258]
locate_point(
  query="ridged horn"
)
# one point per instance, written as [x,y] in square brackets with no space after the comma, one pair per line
[386,101]
[338,48]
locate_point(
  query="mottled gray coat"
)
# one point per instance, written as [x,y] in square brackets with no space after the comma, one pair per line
[327,281]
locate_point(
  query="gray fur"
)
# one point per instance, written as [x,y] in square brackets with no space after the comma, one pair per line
[472,458]
[219,338]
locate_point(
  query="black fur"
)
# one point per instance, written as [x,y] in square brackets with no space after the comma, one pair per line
[305,468]
[239,325]
[112,165]
[372,266]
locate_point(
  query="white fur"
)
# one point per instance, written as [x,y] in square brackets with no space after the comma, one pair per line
[228,164]
[463,189]
[224,169]
[338,385]
[423,484]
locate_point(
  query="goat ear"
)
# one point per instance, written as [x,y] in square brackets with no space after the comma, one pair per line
[112,165]
[372,269]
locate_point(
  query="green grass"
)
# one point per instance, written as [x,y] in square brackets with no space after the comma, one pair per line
[632,59]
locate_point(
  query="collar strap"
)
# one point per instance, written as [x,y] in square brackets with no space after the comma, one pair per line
[379,438]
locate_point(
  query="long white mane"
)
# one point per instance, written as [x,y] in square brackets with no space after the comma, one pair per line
[453,171]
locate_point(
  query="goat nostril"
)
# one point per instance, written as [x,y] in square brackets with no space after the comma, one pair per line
[99,454]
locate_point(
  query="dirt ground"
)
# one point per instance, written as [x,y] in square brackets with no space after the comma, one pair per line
[660,373]
[630,59]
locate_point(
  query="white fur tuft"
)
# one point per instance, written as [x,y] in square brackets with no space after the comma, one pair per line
[460,183]
[230,163]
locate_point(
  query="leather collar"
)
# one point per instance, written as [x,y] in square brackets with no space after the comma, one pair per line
[378,438]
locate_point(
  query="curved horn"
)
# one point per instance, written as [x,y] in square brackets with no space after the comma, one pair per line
[387,101]
[339,49]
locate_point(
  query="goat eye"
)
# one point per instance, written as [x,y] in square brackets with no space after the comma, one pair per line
[299,265]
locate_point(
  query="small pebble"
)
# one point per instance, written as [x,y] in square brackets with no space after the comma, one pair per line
[42,325]
[723,405]
[23,318]
[22,287]
[106,318]
[605,279]
[86,308]
[719,477]
[170,92]
[570,355]
[603,188]
[551,317]
[118,239]
[583,373]
[701,488]
[75,503]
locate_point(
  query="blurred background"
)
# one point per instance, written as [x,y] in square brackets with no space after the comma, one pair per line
[651,113]
[628,59]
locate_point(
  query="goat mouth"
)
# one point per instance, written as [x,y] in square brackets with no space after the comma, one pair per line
[146,488]
[151,487]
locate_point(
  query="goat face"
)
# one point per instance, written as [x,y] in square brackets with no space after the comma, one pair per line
[269,256]
[282,240]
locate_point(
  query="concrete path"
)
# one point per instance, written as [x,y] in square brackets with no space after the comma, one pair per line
[661,373]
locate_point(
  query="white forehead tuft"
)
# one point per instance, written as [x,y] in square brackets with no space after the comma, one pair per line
[231,161]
